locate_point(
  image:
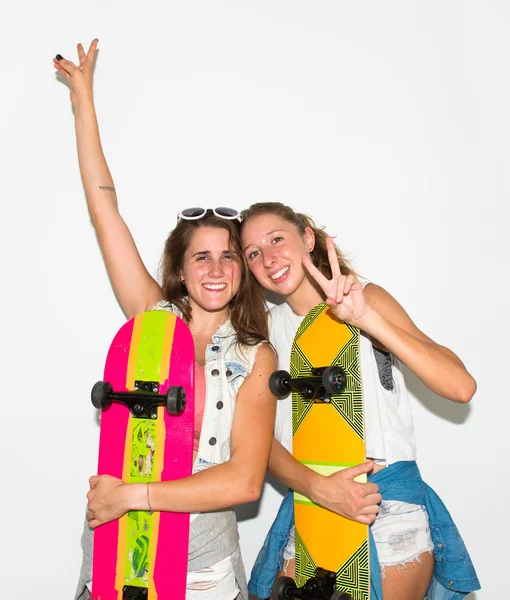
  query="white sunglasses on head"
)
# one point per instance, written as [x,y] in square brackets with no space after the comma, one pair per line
[191,214]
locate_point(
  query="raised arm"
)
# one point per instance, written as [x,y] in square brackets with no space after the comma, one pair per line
[135,288]
[379,315]
[234,482]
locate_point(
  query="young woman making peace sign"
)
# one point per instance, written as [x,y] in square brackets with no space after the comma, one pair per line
[417,546]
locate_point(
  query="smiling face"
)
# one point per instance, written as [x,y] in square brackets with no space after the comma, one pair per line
[210,270]
[274,249]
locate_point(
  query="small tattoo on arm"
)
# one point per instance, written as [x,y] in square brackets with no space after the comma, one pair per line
[107,188]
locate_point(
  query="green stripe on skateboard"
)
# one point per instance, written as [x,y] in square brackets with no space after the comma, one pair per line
[325,469]
[144,445]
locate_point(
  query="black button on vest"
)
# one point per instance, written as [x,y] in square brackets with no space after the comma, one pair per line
[215,372]
[228,373]
[219,405]
[212,441]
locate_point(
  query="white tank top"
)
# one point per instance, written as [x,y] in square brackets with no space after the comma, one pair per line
[389,431]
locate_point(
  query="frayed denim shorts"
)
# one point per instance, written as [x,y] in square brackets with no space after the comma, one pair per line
[401,533]
[420,515]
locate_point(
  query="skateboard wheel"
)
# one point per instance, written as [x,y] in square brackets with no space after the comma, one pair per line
[278,383]
[283,588]
[334,379]
[175,400]
[341,596]
[101,394]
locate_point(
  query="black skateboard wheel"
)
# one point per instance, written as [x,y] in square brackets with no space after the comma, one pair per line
[100,395]
[175,400]
[334,379]
[279,383]
[341,596]
[283,587]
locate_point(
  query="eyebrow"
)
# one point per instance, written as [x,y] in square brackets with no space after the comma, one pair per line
[207,252]
[267,234]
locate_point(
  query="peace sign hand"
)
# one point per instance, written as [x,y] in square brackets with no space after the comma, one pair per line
[344,293]
[80,77]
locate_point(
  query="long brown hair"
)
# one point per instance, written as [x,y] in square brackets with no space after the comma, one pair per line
[319,254]
[247,307]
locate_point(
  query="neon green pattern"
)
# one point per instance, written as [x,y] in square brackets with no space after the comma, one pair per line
[139,530]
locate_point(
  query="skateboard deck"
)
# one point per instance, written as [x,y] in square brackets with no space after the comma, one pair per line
[144,555]
[329,436]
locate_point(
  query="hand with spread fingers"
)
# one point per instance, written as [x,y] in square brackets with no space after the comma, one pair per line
[80,77]
[344,293]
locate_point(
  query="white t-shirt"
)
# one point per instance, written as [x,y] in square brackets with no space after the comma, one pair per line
[389,431]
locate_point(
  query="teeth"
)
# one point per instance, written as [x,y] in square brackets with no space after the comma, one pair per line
[215,286]
[279,273]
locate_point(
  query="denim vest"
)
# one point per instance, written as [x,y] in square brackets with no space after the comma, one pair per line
[227,364]
[454,574]
[213,535]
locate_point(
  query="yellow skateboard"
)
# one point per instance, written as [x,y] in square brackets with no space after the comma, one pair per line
[332,552]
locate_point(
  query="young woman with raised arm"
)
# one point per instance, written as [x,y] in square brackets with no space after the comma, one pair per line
[205,281]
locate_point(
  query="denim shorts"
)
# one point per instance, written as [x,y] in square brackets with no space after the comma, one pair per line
[401,533]
[401,482]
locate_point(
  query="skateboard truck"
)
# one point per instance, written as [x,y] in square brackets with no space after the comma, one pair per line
[143,401]
[318,386]
[320,586]
[131,592]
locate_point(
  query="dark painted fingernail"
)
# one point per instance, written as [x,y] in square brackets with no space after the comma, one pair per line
[59,57]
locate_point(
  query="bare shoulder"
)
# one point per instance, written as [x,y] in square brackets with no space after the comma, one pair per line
[265,358]
[377,297]
[257,382]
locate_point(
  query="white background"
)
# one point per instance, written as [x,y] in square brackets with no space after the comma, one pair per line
[387,121]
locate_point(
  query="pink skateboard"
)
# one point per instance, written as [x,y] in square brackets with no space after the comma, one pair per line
[146,435]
